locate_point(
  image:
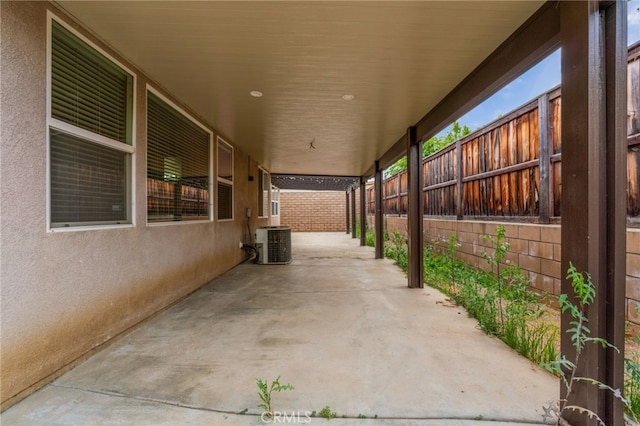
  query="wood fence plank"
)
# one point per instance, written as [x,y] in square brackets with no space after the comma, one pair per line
[633,97]
[497,203]
[633,203]
[534,139]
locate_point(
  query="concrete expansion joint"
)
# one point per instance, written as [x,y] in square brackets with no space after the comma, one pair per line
[143,398]
[476,419]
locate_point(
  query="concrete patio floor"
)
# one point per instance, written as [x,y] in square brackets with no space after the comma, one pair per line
[338,325]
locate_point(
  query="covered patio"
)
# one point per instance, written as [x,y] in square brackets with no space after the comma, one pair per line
[260,89]
[335,323]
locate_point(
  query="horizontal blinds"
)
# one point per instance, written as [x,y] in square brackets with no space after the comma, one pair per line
[225,201]
[88,182]
[87,90]
[178,158]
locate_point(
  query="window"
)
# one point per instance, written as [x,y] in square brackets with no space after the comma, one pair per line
[178,165]
[275,201]
[263,193]
[90,134]
[225,180]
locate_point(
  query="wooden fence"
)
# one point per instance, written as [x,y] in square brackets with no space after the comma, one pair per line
[511,169]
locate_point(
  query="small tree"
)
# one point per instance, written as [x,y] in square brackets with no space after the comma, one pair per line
[431,146]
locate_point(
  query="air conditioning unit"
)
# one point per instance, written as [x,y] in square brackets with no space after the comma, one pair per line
[274,245]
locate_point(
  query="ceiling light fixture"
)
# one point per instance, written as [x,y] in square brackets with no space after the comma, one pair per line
[256,93]
[348,97]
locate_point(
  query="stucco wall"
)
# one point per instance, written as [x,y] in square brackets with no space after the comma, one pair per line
[65,293]
[535,248]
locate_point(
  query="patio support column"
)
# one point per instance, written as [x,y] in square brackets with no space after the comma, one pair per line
[379,217]
[414,210]
[594,150]
[353,212]
[346,209]
[363,211]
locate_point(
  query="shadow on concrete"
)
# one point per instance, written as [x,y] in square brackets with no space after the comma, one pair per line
[338,325]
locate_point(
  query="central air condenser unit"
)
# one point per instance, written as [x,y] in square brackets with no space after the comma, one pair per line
[273,244]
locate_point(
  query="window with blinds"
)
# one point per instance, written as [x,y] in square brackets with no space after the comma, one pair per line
[263,193]
[225,180]
[90,135]
[177,165]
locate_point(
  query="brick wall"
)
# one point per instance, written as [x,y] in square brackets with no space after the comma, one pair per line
[313,211]
[535,248]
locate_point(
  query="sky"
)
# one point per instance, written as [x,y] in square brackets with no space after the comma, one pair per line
[537,80]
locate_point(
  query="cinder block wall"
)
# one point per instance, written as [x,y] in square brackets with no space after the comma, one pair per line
[535,248]
[313,211]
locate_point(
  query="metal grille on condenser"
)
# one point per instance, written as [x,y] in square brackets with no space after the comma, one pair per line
[279,245]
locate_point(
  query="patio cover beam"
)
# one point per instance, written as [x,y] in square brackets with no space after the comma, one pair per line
[594,197]
[379,216]
[363,211]
[353,212]
[415,242]
[346,209]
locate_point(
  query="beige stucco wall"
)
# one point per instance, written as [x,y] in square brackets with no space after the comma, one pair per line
[64,293]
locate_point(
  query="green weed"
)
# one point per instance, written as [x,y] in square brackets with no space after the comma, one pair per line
[265,391]
[327,413]
[580,336]
[500,299]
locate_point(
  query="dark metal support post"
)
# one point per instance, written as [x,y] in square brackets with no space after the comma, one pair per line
[363,212]
[346,208]
[615,17]
[593,183]
[353,212]
[544,206]
[414,210]
[379,217]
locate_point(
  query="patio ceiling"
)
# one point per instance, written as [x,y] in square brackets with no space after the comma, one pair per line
[317,183]
[398,59]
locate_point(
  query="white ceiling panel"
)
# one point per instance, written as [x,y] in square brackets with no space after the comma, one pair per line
[398,59]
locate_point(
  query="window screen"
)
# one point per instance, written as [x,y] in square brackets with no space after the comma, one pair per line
[89,135]
[225,180]
[263,193]
[177,165]
[88,181]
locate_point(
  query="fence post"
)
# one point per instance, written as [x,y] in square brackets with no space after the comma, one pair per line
[544,206]
[459,215]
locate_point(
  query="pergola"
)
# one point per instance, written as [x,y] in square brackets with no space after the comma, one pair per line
[341,90]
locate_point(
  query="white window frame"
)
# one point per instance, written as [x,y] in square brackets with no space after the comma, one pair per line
[210,165]
[222,142]
[88,136]
[274,201]
[263,177]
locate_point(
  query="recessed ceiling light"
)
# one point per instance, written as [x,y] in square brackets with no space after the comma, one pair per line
[348,97]
[256,93]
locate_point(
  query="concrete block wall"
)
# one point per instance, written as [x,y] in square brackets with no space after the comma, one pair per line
[313,211]
[535,248]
